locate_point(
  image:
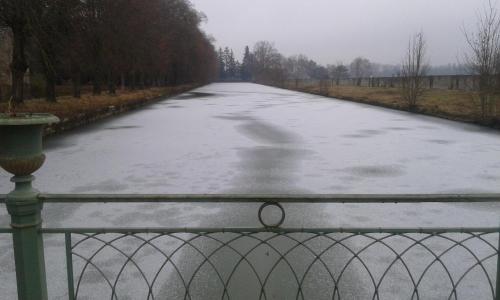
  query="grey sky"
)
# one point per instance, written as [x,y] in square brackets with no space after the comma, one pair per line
[329,31]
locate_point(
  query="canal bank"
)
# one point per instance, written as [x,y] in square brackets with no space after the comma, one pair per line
[76,112]
[454,105]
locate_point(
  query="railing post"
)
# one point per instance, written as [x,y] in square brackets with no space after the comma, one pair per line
[25,211]
[21,155]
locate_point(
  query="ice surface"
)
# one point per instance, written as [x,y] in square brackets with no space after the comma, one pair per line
[249,138]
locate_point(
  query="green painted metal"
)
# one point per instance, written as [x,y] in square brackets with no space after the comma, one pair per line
[25,211]
[69,266]
[360,230]
[497,290]
[21,147]
[238,198]
[227,198]
[23,119]
[93,247]
[21,155]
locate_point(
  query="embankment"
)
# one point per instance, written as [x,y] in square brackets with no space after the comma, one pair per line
[74,112]
[456,105]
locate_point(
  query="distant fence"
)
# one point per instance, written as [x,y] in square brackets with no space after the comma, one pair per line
[449,82]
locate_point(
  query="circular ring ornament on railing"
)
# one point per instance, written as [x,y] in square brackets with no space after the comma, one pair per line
[274,225]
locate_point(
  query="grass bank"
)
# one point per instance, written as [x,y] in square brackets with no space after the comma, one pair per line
[75,112]
[455,105]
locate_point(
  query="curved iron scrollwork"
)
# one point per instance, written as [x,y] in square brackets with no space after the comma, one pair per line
[284,265]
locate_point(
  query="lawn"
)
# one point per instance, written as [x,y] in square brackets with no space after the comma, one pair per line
[451,104]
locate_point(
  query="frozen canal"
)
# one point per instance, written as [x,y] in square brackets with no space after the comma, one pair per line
[248,138]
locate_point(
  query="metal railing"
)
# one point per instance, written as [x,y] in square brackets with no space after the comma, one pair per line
[263,262]
[300,263]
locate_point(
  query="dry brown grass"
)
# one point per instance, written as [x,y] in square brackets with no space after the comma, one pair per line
[450,104]
[67,108]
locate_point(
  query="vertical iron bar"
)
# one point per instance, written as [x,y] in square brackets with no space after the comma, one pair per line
[69,266]
[497,291]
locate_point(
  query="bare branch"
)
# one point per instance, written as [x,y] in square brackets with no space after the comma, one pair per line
[484,57]
[413,70]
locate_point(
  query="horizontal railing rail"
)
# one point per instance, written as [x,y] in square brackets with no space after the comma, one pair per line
[359,230]
[235,198]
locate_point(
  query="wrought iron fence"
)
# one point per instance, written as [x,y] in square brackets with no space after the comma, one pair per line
[275,262]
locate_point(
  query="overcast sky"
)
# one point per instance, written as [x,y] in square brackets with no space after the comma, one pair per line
[330,31]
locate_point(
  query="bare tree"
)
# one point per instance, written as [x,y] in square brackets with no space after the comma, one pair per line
[4,60]
[5,55]
[338,72]
[360,67]
[268,63]
[413,70]
[14,15]
[484,57]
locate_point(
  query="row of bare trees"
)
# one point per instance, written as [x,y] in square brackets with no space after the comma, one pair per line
[267,65]
[107,43]
[482,60]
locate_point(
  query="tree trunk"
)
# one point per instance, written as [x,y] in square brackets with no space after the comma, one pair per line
[76,79]
[132,80]
[49,75]
[96,83]
[50,87]
[122,81]
[76,86]
[111,83]
[77,91]
[141,80]
[96,87]
[18,65]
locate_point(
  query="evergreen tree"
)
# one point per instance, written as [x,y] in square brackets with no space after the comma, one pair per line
[246,66]
[237,70]
[231,65]
[221,64]
[227,62]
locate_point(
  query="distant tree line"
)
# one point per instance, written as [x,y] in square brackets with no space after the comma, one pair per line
[107,43]
[230,69]
[266,64]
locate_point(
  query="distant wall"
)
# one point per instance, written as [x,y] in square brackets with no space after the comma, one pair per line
[449,82]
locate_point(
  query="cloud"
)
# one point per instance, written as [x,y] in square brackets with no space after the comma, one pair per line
[339,30]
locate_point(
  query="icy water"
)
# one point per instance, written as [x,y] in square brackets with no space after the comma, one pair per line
[248,138]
